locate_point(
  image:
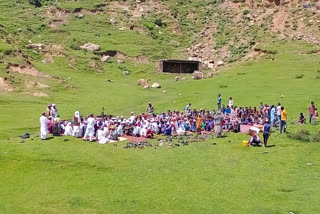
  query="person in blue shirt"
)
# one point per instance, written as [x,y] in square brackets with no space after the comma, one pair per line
[219,102]
[266,132]
[228,111]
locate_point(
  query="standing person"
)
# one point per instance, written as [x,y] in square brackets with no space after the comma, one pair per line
[261,107]
[53,111]
[43,126]
[279,113]
[273,115]
[283,124]
[218,124]
[90,128]
[76,124]
[230,102]
[266,132]
[312,110]
[48,111]
[199,123]
[219,102]
[187,108]
[150,108]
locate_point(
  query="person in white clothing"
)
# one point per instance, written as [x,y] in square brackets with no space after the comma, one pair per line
[68,130]
[279,113]
[90,128]
[43,126]
[230,102]
[76,124]
[101,136]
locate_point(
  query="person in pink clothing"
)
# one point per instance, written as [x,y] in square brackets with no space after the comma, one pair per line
[312,110]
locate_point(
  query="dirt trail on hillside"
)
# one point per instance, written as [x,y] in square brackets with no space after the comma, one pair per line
[35,85]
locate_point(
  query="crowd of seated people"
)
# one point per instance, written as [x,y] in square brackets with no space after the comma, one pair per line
[148,124]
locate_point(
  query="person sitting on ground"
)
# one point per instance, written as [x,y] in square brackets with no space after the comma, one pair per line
[302,119]
[167,130]
[150,108]
[68,130]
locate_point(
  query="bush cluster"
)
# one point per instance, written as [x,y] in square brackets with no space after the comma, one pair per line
[302,135]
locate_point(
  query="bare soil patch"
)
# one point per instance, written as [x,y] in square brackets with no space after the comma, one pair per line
[26,69]
[37,94]
[4,86]
[35,85]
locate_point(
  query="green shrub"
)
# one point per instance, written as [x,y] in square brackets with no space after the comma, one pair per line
[299,76]
[316,137]
[302,135]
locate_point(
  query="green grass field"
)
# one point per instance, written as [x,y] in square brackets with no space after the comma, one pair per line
[55,176]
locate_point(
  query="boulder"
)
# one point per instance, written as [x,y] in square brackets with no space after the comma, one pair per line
[80,16]
[105,58]
[210,65]
[125,73]
[90,47]
[36,46]
[143,82]
[220,63]
[197,75]
[156,85]
[210,75]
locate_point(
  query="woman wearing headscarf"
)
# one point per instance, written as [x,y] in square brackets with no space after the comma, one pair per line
[76,124]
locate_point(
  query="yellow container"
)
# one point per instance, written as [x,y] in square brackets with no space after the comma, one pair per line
[245,143]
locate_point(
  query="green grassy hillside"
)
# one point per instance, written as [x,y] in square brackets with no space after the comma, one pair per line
[265,57]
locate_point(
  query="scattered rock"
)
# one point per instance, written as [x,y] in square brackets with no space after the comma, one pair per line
[184,78]
[177,78]
[309,164]
[126,73]
[220,63]
[44,61]
[156,85]
[109,80]
[143,82]
[210,75]
[210,65]
[90,47]
[105,58]
[146,87]
[282,96]
[36,46]
[120,61]
[164,91]
[197,75]
[80,16]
